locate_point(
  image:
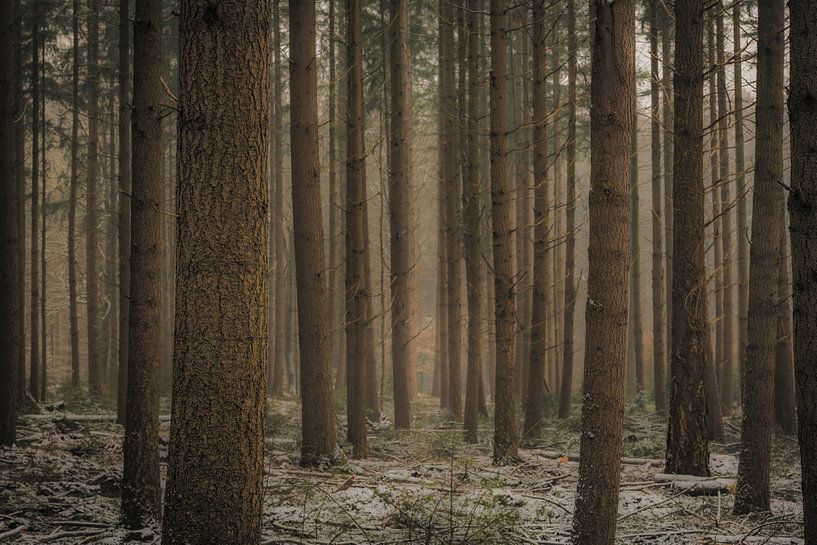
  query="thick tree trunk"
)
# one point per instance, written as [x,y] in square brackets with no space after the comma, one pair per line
[10,237]
[141,488]
[785,411]
[658,292]
[505,428]
[124,179]
[357,344]
[221,330]
[536,382]
[687,441]
[34,332]
[612,91]
[566,387]
[802,204]
[752,493]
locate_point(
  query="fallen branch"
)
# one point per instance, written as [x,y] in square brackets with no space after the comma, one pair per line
[72,533]
[11,533]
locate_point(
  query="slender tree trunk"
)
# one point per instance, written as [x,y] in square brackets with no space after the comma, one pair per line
[566,388]
[724,183]
[72,199]
[687,441]
[667,114]
[785,411]
[221,330]
[141,488]
[92,80]
[636,330]
[19,173]
[400,143]
[612,91]
[536,382]
[335,205]
[34,334]
[356,295]
[803,229]
[505,428]
[658,292]
[43,386]
[752,493]
[372,397]
[124,228]
[281,252]
[742,189]
[10,237]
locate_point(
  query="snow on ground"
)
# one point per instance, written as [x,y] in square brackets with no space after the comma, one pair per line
[61,483]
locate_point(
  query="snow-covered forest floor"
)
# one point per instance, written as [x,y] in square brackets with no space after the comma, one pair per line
[61,486]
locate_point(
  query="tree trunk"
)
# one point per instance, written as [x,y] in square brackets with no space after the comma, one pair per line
[658,292]
[10,237]
[34,333]
[752,493]
[335,205]
[636,330]
[742,189]
[141,488]
[72,199]
[667,115]
[505,429]
[536,382]
[281,253]
[803,229]
[356,295]
[687,441]
[43,386]
[566,388]
[612,91]
[785,411]
[221,330]
[19,173]
[124,229]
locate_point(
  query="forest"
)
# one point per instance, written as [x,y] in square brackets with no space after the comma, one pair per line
[340,272]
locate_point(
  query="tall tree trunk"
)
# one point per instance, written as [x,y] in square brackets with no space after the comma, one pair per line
[785,411]
[571,288]
[34,333]
[637,340]
[400,143]
[742,189]
[10,236]
[357,344]
[612,91]
[141,488]
[221,319]
[505,428]
[449,158]
[335,205]
[43,386]
[687,441]
[471,228]
[658,292]
[727,285]
[536,382]
[803,229]
[281,252]
[667,115]
[124,227]
[92,80]
[752,492]
[72,198]
[19,173]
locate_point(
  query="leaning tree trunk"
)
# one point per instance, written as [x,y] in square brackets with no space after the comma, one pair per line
[752,493]
[221,320]
[612,94]
[687,440]
[9,236]
[802,204]
[141,487]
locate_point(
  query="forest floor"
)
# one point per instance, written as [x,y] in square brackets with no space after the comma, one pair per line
[61,486]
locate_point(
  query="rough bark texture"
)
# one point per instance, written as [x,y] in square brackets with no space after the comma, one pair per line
[536,383]
[356,295]
[141,488]
[217,433]
[785,410]
[34,284]
[315,377]
[9,234]
[667,116]
[802,204]
[687,441]
[636,335]
[281,253]
[124,176]
[752,493]
[471,228]
[92,79]
[505,428]
[658,292]
[612,90]
[742,189]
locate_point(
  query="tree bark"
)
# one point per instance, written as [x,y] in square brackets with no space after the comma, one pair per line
[19,173]
[221,330]
[43,386]
[612,94]
[34,332]
[802,204]
[667,115]
[785,410]
[636,330]
[687,441]
[141,488]
[742,189]
[752,493]
[505,428]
